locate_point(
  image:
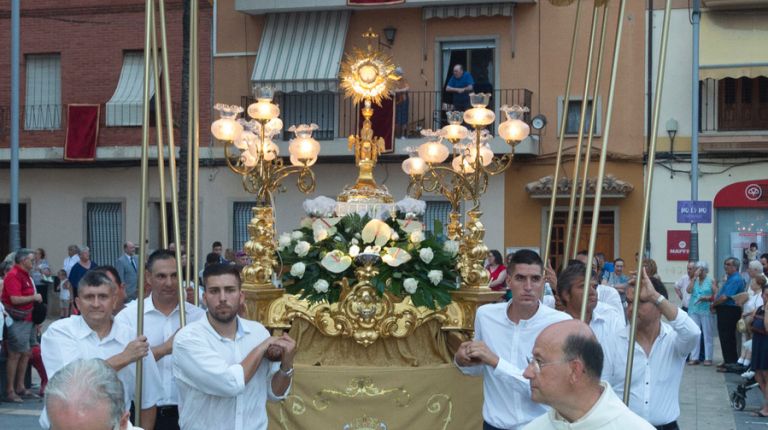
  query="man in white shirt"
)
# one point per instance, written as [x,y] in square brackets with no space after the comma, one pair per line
[87,394]
[504,336]
[73,256]
[93,334]
[161,322]
[659,356]
[564,372]
[681,286]
[604,320]
[226,366]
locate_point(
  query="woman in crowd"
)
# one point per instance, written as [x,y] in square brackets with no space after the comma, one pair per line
[497,271]
[702,291]
[752,300]
[41,274]
[80,268]
[760,352]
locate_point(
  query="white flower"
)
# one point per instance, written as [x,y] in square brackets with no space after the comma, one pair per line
[296,235]
[301,249]
[394,236]
[451,247]
[306,222]
[435,276]
[354,251]
[410,285]
[284,241]
[297,270]
[417,236]
[336,262]
[372,250]
[320,206]
[395,256]
[426,255]
[320,234]
[410,205]
[354,241]
[321,286]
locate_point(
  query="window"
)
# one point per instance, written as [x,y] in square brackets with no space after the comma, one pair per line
[436,210]
[305,108]
[42,110]
[104,231]
[743,104]
[5,221]
[241,217]
[125,106]
[477,58]
[574,117]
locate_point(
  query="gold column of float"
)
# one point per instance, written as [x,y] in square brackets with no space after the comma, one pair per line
[171,156]
[647,193]
[559,159]
[577,159]
[588,153]
[148,25]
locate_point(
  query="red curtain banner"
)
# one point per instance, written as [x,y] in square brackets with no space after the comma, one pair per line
[82,132]
[373,2]
[383,123]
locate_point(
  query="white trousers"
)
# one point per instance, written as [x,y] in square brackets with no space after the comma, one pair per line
[706,323]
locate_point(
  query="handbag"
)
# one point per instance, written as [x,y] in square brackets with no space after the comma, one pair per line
[17,314]
[741,326]
[39,313]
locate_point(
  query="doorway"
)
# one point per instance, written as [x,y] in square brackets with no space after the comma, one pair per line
[5,221]
[478,58]
[605,241]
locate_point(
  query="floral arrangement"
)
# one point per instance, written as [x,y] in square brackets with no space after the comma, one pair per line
[410,262]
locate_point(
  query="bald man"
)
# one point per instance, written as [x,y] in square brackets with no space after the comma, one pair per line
[564,373]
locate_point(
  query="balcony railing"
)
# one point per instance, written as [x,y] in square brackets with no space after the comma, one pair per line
[338,117]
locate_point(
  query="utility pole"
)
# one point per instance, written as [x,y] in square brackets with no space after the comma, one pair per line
[695,20]
[14,238]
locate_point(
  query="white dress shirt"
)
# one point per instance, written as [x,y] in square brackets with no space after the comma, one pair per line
[607,323]
[70,339]
[211,381]
[610,296]
[656,378]
[507,394]
[69,262]
[681,286]
[608,413]
[754,301]
[158,328]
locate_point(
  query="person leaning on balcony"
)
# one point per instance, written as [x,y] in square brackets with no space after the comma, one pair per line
[460,84]
[504,336]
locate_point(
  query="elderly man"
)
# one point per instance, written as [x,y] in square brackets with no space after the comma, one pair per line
[681,286]
[93,334]
[227,367]
[87,395]
[564,372]
[504,336]
[73,256]
[605,321]
[729,312]
[18,297]
[461,84]
[161,322]
[128,268]
[659,354]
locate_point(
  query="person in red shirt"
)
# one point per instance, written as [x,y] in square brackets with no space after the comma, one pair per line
[18,297]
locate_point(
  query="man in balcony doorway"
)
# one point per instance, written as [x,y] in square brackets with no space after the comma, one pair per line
[460,84]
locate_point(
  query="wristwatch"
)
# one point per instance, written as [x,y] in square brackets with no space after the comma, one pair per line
[660,299]
[288,373]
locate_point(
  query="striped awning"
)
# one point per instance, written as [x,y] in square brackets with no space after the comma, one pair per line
[125,106]
[733,45]
[473,11]
[301,51]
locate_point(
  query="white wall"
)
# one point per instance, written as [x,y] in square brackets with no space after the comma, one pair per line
[56,201]
[669,188]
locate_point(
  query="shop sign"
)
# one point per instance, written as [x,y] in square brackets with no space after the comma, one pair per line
[678,245]
[694,211]
[746,194]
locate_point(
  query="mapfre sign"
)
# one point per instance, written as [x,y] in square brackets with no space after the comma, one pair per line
[678,245]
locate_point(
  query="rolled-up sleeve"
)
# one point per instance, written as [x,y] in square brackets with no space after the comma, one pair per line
[688,333]
[151,390]
[273,369]
[198,365]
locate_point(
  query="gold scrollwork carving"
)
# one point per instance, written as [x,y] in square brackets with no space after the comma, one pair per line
[361,387]
[441,403]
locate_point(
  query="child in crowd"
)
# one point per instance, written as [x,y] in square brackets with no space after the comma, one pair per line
[65,294]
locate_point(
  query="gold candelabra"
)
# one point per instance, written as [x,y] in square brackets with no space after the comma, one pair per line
[466,179]
[251,153]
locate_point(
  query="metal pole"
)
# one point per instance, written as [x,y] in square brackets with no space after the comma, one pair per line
[558,161]
[159,130]
[577,160]
[14,236]
[171,158]
[194,138]
[582,197]
[647,192]
[696,18]
[148,22]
